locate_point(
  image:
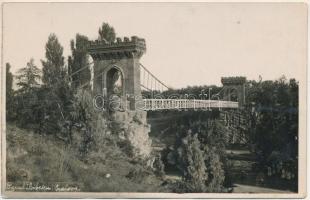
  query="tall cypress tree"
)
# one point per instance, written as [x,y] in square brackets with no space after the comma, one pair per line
[9,79]
[106,32]
[57,93]
[78,64]
[53,67]
[9,92]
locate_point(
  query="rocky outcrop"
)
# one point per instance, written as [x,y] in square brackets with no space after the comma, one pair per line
[132,127]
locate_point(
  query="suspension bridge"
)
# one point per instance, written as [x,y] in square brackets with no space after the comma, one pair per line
[117,71]
[151,83]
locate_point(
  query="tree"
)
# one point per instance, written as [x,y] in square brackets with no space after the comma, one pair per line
[56,91]
[215,171]
[274,127]
[55,76]
[78,64]
[27,102]
[53,67]
[28,77]
[107,33]
[9,79]
[9,93]
[191,159]
[191,92]
[199,153]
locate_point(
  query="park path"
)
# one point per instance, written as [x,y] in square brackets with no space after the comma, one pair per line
[244,179]
[239,188]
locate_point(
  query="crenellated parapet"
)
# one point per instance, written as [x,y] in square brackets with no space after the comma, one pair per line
[117,69]
[133,47]
[238,80]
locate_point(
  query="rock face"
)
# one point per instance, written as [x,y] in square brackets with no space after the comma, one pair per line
[132,126]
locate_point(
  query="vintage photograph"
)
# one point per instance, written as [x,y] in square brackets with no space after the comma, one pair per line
[125,99]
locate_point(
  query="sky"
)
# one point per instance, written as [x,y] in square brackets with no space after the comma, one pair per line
[187,43]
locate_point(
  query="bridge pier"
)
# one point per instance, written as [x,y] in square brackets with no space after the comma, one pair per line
[117,79]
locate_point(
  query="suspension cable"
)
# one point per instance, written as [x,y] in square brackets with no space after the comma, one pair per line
[154,77]
[79,70]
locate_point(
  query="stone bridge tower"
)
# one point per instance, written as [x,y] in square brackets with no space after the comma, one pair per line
[117,76]
[234,89]
[117,70]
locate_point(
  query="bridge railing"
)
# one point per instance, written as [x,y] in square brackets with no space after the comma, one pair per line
[168,104]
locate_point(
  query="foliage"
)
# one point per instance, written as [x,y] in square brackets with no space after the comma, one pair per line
[53,67]
[201,165]
[26,100]
[28,77]
[106,32]
[92,124]
[274,127]
[75,143]
[10,114]
[190,92]
[159,166]
[78,65]
[82,114]
[57,92]
[9,80]
[43,107]
[197,152]
[215,170]
[191,161]
[48,161]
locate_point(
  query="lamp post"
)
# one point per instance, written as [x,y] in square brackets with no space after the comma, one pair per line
[192,101]
[210,98]
[206,95]
[186,96]
[202,93]
[218,99]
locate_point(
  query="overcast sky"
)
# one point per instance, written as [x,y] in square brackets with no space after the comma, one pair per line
[187,43]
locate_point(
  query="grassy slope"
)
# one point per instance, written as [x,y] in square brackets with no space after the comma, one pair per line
[42,159]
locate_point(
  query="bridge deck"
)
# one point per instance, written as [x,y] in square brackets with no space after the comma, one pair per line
[169,104]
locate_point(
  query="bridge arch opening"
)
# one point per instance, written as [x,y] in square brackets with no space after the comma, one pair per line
[114,82]
[233,94]
[115,87]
